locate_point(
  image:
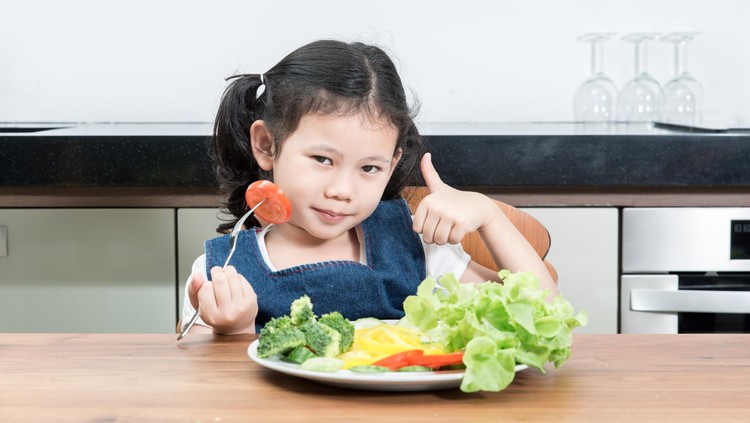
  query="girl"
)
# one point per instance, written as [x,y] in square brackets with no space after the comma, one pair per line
[330,126]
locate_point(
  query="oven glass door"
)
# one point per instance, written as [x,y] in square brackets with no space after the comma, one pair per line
[714,322]
[685,303]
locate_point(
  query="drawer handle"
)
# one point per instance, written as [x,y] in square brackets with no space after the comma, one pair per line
[690,301]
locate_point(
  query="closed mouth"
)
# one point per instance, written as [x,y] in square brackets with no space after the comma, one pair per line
[331,213]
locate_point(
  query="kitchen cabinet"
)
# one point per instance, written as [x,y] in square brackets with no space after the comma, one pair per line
[88,270]
[115,270]
[194,226]
[584,251]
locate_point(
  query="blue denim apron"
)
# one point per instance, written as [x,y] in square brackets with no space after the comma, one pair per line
[395,267]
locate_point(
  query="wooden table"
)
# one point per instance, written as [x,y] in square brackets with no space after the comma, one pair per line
[206,378]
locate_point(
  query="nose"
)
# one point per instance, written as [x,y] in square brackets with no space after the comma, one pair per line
[340,187]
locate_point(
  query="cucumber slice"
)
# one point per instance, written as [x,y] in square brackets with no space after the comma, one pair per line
[299,355]
[415,369]
[369,369]
[322,364]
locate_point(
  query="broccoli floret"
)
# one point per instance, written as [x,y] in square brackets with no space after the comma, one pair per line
[302,311]
[277,323]
[322,339]
[279,341]
[344,327]
[329,337]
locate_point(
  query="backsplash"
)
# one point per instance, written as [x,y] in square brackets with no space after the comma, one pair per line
[143,61]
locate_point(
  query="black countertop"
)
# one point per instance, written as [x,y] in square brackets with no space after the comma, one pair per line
[466,155]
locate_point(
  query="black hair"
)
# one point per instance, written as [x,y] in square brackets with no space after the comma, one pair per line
[328,77]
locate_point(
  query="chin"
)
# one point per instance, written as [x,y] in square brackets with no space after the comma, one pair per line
[322,231]
[329,233]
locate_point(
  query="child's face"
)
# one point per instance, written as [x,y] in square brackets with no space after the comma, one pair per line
[334,170]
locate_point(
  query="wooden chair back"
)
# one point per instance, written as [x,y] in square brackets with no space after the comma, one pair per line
[534,232]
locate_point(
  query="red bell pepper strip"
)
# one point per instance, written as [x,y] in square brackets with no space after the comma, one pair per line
[438,360]
[418,358]
[399,360]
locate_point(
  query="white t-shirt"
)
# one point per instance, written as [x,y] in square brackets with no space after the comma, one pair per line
[439,260]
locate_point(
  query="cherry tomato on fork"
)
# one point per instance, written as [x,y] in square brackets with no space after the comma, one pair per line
[276,209]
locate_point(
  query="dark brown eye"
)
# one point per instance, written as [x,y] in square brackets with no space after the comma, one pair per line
[371,169]
[321,159]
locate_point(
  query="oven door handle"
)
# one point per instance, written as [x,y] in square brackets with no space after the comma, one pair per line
[690,301]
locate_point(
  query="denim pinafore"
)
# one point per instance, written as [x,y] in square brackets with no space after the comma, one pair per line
[395,267]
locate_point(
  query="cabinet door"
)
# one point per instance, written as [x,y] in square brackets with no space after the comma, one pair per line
[88,270]
[194,226]
[584,251]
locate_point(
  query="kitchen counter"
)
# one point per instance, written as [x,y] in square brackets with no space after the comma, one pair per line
[522,163]
[209,378]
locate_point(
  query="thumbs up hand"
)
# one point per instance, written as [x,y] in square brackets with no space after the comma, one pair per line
[430,175]
[446,214]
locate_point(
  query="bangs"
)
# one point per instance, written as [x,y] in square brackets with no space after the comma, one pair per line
[323,102]
[327,103]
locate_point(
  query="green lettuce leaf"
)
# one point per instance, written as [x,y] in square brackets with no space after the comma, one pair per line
[488,368]
[497,325]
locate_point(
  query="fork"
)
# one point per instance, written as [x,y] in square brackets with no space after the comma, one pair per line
[233,244]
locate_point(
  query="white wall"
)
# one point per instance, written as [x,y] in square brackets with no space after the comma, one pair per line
[470,60]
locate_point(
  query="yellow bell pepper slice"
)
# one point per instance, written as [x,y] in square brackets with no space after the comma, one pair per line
[375,343]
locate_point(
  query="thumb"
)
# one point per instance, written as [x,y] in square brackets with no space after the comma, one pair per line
[430,175]
[193,287]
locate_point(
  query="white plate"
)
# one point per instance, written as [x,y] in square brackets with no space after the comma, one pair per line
[386,381]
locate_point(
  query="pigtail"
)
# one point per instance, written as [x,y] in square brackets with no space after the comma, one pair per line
[231,151]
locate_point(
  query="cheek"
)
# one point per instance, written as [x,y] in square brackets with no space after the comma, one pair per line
[284,171]
[371,196]
[293,165]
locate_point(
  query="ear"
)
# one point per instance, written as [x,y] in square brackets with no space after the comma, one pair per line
[261,142]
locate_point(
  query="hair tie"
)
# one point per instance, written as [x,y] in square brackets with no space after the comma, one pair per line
[261,89]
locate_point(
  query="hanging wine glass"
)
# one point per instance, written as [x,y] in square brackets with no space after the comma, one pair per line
[683,94]
[640,98]
[594,99]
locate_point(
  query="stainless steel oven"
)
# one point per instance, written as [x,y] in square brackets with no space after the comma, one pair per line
[685,270]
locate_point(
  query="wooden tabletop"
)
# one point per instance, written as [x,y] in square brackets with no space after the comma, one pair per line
[208,378]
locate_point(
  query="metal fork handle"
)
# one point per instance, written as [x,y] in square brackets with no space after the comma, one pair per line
[233,242]
[189,324]
[236,230]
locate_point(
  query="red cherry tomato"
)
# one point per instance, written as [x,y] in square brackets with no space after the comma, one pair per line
[276,209]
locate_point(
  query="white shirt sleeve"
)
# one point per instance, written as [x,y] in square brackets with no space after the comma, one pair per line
[199,265]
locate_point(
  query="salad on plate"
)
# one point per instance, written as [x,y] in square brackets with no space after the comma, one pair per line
[477,335]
